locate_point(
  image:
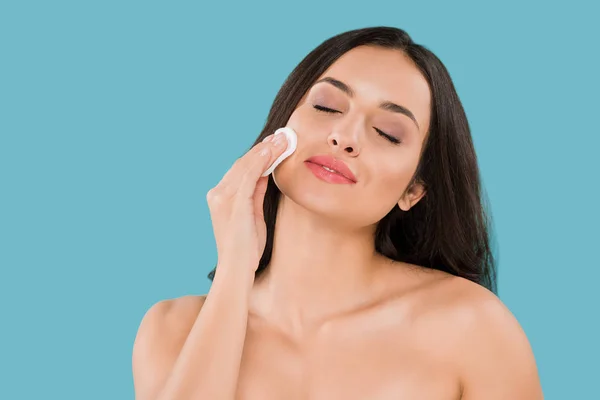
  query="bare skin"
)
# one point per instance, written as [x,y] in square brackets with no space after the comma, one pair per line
[434,336]
[329,318]
[388,348]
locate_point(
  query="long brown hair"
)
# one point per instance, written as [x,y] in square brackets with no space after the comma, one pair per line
[449,228]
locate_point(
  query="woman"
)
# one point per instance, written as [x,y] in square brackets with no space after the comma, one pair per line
[374,281]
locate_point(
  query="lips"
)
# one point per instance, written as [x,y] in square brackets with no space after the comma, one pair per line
[334,164]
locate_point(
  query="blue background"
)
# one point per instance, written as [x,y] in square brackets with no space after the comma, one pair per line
[116,118]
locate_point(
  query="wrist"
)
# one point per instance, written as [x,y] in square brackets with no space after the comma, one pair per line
[239,275]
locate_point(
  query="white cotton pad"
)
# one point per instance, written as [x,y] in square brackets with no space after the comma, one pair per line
[292,140]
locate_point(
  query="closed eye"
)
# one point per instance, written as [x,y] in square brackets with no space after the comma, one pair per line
[388,137]
[332,111]
[325,109]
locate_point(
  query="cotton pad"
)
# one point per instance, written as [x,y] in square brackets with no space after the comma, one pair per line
[292,140]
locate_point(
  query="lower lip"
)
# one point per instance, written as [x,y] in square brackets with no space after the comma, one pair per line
[327,176]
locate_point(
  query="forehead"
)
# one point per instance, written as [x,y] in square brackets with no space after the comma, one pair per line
[377,74]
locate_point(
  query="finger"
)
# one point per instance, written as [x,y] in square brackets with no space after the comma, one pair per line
[251,165]
[241,165]
[263,161]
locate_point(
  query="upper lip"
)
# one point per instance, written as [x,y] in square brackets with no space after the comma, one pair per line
[333,163]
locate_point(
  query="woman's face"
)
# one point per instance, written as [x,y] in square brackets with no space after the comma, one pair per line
[381,146]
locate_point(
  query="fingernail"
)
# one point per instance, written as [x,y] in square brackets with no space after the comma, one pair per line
[279,139]
[268,138]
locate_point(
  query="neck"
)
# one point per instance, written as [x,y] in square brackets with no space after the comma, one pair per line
[319,268]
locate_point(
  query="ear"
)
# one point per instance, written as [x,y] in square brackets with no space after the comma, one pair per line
[412,196]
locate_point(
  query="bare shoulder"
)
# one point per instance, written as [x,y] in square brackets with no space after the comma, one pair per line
[159,339]
[169,319]
[494,357]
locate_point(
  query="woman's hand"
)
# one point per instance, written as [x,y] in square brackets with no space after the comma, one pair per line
[236,205]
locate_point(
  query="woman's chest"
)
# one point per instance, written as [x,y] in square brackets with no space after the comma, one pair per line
[345,366]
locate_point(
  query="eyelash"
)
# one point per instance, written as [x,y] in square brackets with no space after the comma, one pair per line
[331,111]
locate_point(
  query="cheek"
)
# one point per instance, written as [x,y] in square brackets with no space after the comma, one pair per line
[391,178]
[294,119]
[307,129]
[300,123]
[301,120]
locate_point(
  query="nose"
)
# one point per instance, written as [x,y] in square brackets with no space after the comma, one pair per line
[347,141]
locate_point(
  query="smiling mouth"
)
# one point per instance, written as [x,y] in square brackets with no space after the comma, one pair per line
[327,174]
[329,169]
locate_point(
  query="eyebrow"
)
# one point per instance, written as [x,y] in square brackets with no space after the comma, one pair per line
[385,105]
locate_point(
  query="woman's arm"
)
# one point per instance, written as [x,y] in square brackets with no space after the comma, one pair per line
[496,359]
[183,353]
[206,364]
